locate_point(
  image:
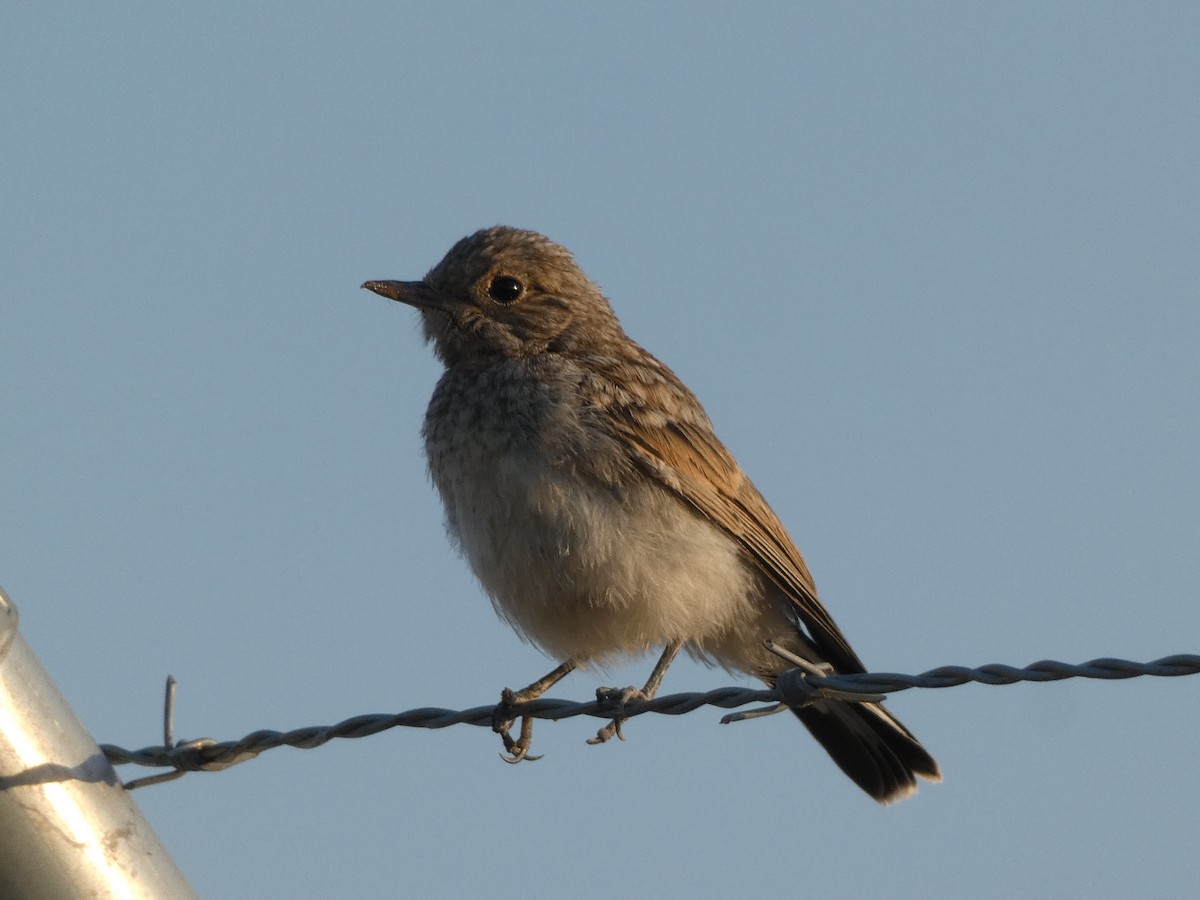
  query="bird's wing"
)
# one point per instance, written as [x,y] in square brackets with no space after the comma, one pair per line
[688,459]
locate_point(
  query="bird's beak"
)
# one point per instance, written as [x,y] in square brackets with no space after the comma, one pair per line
[414,293]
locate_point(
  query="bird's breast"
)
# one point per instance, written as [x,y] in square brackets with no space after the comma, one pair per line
[580,551]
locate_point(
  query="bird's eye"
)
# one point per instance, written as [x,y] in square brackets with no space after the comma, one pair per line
[505,289]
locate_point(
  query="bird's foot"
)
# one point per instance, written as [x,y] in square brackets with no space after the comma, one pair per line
[516,750]
[617,697]
[502,715]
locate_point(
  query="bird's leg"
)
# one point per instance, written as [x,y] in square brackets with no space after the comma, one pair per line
[502,715]
[621,696]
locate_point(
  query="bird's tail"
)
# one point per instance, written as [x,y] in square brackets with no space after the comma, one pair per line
[879,754]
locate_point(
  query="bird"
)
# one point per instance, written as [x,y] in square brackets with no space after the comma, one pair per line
[585,486]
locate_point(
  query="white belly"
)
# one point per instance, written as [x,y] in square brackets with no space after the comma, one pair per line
[587,573]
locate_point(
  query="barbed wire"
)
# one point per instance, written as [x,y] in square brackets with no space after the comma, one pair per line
[804,684]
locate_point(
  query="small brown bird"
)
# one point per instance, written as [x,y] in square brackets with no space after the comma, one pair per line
[585,486]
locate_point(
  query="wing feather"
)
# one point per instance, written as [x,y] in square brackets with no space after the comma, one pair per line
[688,459]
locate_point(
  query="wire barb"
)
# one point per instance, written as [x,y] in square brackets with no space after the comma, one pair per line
[795,687]
[168,740]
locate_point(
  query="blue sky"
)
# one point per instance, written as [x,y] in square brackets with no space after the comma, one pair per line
[931,267]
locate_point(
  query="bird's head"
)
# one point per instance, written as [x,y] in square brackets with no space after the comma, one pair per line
[503,292]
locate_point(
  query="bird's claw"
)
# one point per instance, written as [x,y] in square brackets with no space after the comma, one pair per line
[515,750]
[617,697]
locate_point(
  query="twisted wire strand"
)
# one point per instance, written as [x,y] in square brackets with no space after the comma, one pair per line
[796,687]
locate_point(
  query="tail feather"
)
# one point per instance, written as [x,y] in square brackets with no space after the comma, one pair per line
[879,754]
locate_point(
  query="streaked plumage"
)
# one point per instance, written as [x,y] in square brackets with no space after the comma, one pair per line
[586,487]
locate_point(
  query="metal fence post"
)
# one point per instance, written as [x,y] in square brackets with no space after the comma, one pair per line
[67,827]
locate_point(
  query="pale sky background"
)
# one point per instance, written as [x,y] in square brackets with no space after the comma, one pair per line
[933,269]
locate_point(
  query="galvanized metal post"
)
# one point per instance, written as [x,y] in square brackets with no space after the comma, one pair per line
[67,827]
